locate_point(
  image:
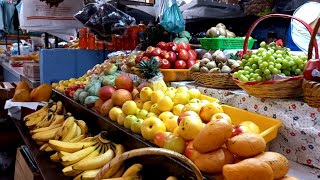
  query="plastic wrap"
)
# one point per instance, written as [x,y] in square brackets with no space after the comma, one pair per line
[172,19]
[103,18]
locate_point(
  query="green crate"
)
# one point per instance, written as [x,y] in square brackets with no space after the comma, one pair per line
[224,43]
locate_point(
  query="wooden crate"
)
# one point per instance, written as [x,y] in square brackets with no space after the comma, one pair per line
[23,170]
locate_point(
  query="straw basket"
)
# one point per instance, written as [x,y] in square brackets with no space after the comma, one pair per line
[311,89]
[148,151]
[282,88]
[214,80]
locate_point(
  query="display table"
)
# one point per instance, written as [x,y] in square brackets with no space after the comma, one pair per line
[299,137]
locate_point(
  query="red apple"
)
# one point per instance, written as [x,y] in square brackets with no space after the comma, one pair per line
[172,57]
[164,54]
[142,85]
[106,92]
[172,46]
[145,58]
[149,51]
[312,70]
[180,64]
[162,45]
[190,63]
[183,54]
[160,138]
[192,54]
[187,113]
[184,45]
[157,58]
[156,52]
[190,152]
[165,64]
[239,129]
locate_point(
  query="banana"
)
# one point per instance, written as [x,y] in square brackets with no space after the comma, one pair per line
[132,170]
[58,119]
[45,128]
[55,157]
[71,133]
[88,139]
[118,151]
[33,115]
[83,126]
[77,156]
[35,120]
[48,149]
[78,138]
[171,178]
[78,131]
[67,125]
[95,163]
[134,177]
[59,109]
[68,171]
[120,172]
[70,147]
[46,135]
[46,121]
[53,108]
[43,147]
[78,177]
[89,174]
[40,143]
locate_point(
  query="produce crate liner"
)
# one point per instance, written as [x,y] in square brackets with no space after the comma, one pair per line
[14,108]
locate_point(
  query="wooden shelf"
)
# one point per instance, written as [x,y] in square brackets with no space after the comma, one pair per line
[49,170]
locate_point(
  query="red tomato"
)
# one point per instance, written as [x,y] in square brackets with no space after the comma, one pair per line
[190,63]
[164,64]
[184,45]
[180,64]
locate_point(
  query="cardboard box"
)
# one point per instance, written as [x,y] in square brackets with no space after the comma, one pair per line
[32,70]
[22,169]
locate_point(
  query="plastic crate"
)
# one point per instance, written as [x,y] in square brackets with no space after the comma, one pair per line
[224,43]
[268,126]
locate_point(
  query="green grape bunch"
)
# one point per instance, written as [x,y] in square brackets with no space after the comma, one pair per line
[270,60]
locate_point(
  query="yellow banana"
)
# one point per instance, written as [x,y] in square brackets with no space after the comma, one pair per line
[132,170]
[83,126]
[95,163]
[59,109]
[88,139]
[53,108]
[58,119]
[172,178]
[78,138]
[45,128]
[48,149]
[71,133]
[55,157]
[67,125]
[68,171]
[119,173]
[70,147]
[78,131]
[134,177]
[46,135]
[40,143]
[43,147]
[77,156]
[78,177]
[46,121]
[118,151]
[33,115]
[89,174]
[36,119]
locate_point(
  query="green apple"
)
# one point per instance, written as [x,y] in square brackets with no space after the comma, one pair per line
[195,100]
[145,94]
[194,93]
[129,108]
[121,118]
[114,113]
[192,107]
[142,114]
[182,89]
[128,120]
[136,126]
[151,126]
[175,143]
[151,114]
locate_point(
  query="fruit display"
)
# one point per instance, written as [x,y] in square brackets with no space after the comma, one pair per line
[216,62]
[23,93]
[220,30]
[270,62]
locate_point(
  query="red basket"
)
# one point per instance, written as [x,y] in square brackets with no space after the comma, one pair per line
[282,88]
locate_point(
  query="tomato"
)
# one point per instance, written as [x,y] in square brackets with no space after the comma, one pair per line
[180,64]
[164,64]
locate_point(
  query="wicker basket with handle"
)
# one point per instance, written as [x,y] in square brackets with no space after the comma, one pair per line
[149,151]
[282,88]
[311,89]
[214,80]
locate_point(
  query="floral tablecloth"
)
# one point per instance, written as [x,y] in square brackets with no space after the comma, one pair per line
[299,137]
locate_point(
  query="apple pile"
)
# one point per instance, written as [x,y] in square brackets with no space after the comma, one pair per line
[171,55]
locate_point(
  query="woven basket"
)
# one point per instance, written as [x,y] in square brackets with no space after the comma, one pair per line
[149,151]
[311,89]
[214,80]
[282,88]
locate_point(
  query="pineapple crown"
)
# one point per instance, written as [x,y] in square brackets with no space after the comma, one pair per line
[149,69]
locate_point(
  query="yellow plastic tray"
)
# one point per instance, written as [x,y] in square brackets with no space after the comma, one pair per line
[208,98]
[268,126]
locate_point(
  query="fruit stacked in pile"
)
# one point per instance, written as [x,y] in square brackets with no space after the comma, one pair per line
[220,30]
[215,63]
[70,85]
[269,61]
[171,55]
[23,93]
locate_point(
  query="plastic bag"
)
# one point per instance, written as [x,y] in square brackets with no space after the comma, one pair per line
[172,19]
[103,18]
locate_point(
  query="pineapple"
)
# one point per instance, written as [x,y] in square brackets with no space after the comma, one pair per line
[150,71]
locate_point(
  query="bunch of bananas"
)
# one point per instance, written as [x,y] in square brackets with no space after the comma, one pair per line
[48,123]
